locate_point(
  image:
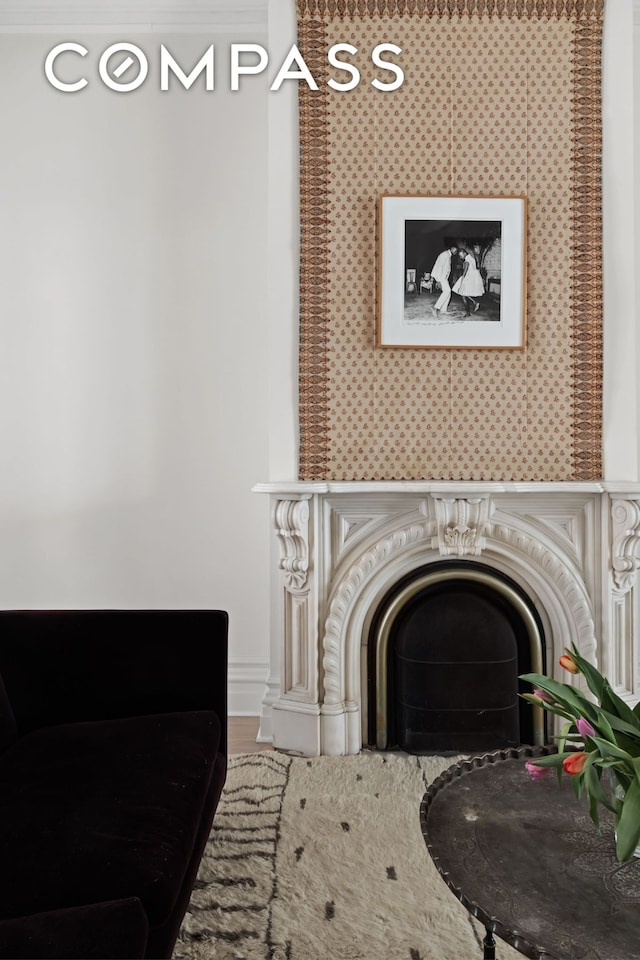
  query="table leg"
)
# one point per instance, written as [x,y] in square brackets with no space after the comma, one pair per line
[489,945]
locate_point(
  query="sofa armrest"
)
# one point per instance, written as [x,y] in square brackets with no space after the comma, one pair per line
[63,666]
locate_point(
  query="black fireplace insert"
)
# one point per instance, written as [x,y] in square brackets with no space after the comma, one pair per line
[446,648]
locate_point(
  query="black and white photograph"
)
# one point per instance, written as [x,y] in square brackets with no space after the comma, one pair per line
[451,272]
[452,269]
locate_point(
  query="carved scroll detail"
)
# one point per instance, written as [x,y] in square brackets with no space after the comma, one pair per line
[291,521]
[625,546]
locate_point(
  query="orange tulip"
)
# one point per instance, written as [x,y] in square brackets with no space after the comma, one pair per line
[567,661]
[574,763]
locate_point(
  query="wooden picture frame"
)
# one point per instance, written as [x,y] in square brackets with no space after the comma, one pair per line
[471,297]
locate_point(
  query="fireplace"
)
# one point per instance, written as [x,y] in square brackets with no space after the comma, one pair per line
[553,563]
[445,651]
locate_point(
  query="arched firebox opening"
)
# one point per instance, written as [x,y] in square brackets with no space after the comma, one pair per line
[446,648]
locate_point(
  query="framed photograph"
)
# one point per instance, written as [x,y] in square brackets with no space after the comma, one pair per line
[451,272]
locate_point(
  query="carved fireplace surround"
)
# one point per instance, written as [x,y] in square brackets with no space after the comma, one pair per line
[338,547]
[574,548]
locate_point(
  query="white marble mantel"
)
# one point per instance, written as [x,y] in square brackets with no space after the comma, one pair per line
[340,545]
[306,488]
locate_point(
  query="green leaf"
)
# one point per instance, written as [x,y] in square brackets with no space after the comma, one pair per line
[577,783]
[595,791]
[551,707]
[622,777]
[595,680]
[565,696]
[538,702]
[600,686]
[604,727]
[628,826]
[611,701]
[618,764]
[593,809]
[621,725]
[611,750]
[554,760]
[564,736]
[632,747]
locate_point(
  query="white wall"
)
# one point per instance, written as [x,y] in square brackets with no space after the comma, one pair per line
[636,151]
[146,313]
[133,339]
[621,346]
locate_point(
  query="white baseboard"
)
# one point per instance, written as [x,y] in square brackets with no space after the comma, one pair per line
[246,687]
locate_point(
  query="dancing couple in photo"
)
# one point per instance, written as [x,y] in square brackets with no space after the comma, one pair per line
[468,286]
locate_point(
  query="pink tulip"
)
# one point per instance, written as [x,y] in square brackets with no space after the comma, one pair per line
[584,728]
[537,773]
[543,695]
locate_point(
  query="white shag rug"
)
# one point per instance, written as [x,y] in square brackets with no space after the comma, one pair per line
[324,859]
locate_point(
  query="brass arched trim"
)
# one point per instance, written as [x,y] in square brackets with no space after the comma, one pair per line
[383,634]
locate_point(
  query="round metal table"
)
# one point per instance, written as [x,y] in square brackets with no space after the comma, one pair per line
[525,858]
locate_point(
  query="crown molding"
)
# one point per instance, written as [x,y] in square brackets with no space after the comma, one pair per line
[42,15]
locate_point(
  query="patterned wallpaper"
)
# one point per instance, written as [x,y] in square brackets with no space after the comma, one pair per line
[500,98]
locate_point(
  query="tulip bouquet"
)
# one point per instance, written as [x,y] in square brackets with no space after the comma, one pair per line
[605,736]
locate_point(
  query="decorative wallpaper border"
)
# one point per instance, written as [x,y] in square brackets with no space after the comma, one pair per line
[313,257]
[587,233]
[314,17]
[450,8]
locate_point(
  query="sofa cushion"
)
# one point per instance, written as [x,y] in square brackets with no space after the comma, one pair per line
[8,728]
[116,930]
[103,811]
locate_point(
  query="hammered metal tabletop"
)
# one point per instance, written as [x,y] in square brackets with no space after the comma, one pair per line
[525,858]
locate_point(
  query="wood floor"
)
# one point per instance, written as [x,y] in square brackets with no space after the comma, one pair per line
[242,732]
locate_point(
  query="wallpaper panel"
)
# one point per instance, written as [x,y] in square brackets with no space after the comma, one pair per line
[500,98]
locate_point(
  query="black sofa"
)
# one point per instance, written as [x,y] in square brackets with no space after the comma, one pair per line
[113,754]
